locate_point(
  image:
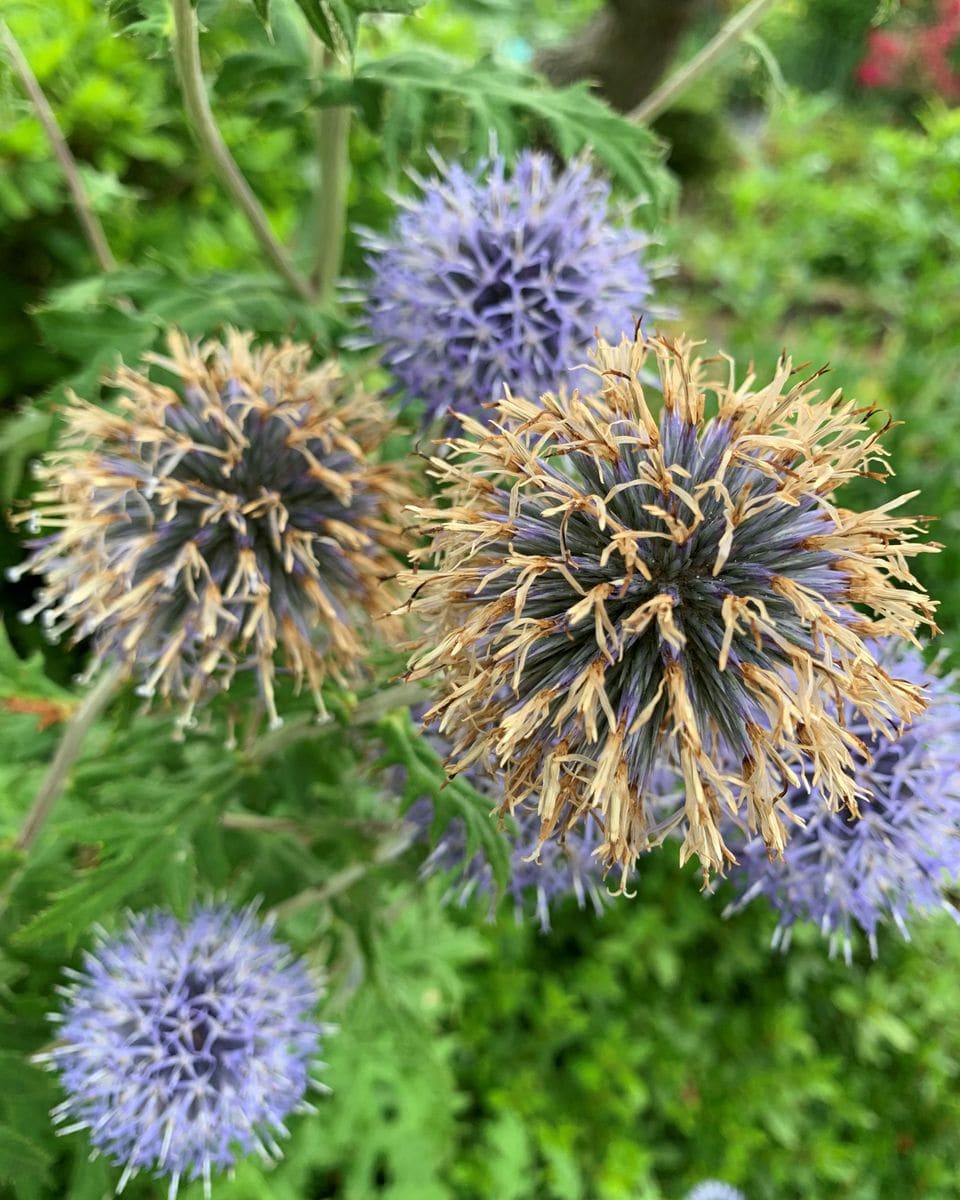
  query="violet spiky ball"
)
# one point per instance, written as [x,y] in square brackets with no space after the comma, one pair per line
[183,1046]
[541,877]
[621,580]
[210,522]
[492,276]
[893,861]
[713,1189]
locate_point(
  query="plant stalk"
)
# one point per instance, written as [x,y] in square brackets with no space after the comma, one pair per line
[197,104]
[71,744]
[89,221]
[332,139]
[674,85]
[389,849]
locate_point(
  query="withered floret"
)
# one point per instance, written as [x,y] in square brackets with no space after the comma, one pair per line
[210,522]
[629,578]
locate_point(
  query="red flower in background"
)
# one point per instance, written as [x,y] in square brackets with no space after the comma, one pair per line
[888,55]
[918,56]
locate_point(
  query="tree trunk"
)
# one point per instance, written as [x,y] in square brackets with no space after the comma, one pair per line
[625,49]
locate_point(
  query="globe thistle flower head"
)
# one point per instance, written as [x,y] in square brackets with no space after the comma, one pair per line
[490,277]
[540,876]
[712,1189]
[895,859]
[202,527]
[616,581]
[185,1046]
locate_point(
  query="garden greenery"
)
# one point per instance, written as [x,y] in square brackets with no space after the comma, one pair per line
[398,593]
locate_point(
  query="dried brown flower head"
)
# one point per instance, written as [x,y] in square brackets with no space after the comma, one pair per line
[624,577]
[201,528]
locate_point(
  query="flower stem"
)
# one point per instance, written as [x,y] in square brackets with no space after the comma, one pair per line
[332,135]
[85,714]
[663,96]
[89,221]
[197,104]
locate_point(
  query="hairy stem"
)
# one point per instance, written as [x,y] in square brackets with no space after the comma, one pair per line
[89,221]
[663,96]
[71,744]
[332,136]
[197,104]
[390,848]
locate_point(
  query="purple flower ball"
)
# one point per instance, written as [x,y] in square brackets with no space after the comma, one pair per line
[488,278]
[841,872]
[185,1046]
[559,871]
[712,1189]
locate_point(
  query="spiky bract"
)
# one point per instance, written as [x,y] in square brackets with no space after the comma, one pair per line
[203,525]
[185,1046]
[613,583]
[896,859]
[489,277]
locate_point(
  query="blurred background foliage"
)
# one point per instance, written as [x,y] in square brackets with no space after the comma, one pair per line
[623,1057]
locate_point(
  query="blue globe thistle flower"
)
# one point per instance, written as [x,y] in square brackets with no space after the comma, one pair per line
[541,874]
[202,527]
[712,1189]
[617,584]
[489,278]
[841,872]
[561,870]
[183,1047]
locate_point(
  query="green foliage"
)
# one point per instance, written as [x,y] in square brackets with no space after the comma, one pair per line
[636,1054]
[423,775]
[498,98]
[336,22]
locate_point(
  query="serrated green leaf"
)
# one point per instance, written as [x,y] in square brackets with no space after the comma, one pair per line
[148,19]
[98,892]
[22,1160]
[23,435]
[334,22]
[388,93]
[452,798]
[25,676]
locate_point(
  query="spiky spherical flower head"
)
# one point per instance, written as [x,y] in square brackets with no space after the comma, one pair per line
[712,1189]
[490,277]
[541,877]
[205,524]
[184,1046]
[842,872]
[617,578]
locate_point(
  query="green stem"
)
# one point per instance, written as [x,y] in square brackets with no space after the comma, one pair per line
[390,848]
[71,744]
[89,221]
[332,138]
[197,104]
[663,96]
